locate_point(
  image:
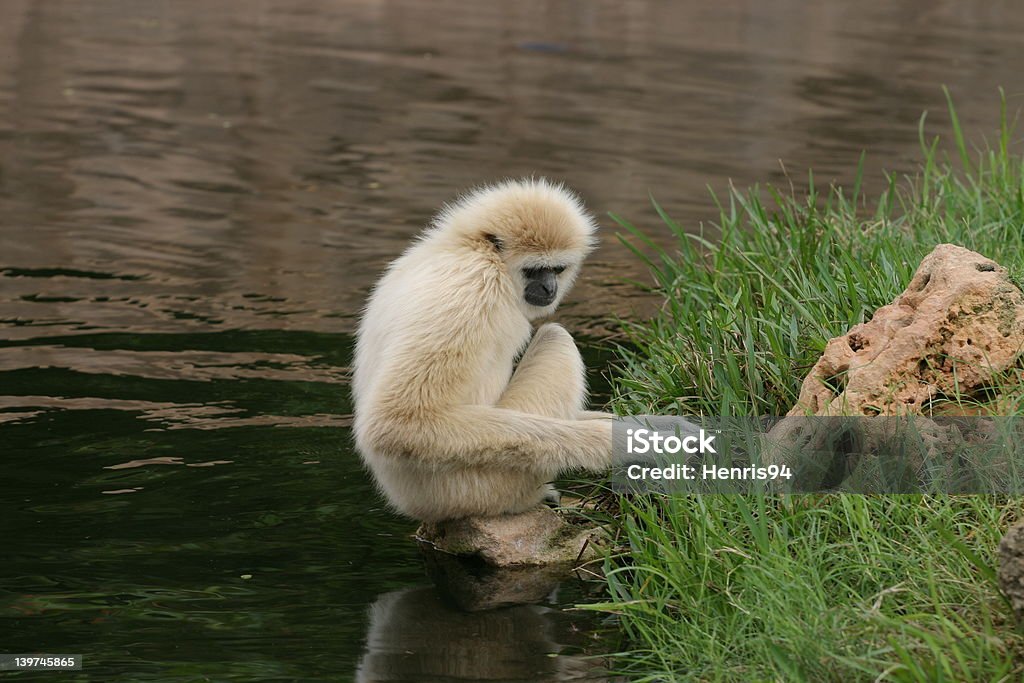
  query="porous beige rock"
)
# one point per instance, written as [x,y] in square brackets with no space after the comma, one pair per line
[1011,567]
[946,338]
[535,537]
[958,324]
[893,454]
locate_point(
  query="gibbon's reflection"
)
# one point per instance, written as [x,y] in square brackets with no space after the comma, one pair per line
[416,636]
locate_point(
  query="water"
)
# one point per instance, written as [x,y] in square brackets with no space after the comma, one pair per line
[194,199]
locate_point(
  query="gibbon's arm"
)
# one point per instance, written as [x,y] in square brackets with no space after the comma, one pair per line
[488,437]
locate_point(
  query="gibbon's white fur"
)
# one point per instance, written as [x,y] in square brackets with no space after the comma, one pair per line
[445,425]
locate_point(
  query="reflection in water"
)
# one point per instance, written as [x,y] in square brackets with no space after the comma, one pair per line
[415,636]
[473,586]
[194,200]
[482,623]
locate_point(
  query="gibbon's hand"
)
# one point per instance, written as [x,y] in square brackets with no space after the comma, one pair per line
[594,415]
[625,433]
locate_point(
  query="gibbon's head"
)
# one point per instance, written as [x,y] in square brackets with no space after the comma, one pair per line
[535,232]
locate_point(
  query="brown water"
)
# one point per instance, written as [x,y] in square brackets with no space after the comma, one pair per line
[195,197]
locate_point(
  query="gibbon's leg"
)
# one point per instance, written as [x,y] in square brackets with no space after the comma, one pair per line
[550,378]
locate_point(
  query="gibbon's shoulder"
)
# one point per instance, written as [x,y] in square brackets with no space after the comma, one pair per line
[523,215]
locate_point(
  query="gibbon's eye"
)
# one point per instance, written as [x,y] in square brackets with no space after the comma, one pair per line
[495,240]
[534,273]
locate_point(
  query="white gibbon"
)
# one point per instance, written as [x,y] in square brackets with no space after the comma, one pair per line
[447,421]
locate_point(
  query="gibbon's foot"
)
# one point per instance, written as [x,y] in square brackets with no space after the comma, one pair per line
[552,497]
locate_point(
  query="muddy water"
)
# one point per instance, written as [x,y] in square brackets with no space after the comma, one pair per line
[194,199]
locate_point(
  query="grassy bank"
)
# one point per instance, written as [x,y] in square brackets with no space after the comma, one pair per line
[815,588]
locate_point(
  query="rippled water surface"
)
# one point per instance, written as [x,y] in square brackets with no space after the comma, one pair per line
[194,200]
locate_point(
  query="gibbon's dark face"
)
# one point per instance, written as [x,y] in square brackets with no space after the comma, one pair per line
[544,274]
[541,285]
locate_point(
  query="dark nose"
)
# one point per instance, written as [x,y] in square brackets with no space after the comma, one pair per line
[540,291]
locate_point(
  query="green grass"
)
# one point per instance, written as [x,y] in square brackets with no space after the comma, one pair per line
[816,588]
[837,588]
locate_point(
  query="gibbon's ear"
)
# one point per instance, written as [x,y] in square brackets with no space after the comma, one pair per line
[495,240]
